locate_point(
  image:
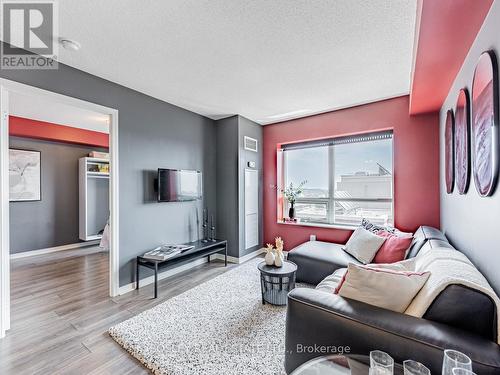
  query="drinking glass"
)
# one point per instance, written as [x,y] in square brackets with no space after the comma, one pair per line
[462,371]
[379,371]
[381,363]
[454,359]
[415,368]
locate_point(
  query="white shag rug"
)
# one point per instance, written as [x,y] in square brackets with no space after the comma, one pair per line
[218,327]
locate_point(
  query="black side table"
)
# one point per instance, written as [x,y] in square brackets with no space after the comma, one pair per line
[276,282]
[200,249]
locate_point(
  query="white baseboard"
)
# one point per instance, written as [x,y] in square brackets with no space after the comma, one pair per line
[242,259]
[171,272]
[55,249]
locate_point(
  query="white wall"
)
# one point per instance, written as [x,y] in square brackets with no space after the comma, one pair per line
[470,222]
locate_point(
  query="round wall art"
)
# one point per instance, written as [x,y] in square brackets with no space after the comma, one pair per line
[448,152]
[462,142]
[485,124]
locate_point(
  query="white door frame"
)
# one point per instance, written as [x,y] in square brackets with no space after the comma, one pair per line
[7,86]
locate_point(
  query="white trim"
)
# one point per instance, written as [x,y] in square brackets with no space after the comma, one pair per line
[4,213]
[242,259]
[416,39]
[318,225]
[7,86]
[162,275]
[114,207]
[54,249]
[281,158]
[22,89]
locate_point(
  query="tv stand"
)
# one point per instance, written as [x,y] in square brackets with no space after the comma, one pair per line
[200,250]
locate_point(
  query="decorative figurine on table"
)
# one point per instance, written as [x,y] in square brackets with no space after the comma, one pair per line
[205,225]
[212,229]
[279,256]
[269,258]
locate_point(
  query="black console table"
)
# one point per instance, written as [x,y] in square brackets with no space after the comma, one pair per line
[200,250]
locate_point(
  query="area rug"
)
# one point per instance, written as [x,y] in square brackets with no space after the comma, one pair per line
[218,327]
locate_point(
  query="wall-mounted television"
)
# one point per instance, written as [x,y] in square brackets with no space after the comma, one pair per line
[175,185]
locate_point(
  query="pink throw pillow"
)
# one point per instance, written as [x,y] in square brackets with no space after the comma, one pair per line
[393,249]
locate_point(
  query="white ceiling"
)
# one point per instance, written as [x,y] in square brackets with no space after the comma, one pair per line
[257,58]
[36,108]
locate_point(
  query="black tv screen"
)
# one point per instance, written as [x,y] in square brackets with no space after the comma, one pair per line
[176,185]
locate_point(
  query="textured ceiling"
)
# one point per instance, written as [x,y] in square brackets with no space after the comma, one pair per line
[36,108]
[261,59]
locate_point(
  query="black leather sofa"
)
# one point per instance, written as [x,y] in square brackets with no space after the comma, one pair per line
[459,318]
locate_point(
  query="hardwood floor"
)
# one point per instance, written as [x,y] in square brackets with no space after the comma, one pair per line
[60,313]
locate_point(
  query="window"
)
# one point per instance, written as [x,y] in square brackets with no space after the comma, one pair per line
[348,178]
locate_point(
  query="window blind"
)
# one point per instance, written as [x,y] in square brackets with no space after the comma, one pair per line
[339,140]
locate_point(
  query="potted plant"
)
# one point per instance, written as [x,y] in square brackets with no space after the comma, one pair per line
[291,193]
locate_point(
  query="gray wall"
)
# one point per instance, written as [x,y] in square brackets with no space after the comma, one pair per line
[250,129]
[227,183]
[53,221]
[232,160]
[470,222]
[152,134]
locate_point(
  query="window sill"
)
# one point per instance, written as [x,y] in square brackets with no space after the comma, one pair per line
[318,225]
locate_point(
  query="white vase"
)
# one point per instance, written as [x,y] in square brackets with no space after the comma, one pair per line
[278,260]
[269,258]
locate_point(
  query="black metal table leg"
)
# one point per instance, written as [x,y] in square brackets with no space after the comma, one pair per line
[137,275]
[225,255]
[262,288]
[156,279]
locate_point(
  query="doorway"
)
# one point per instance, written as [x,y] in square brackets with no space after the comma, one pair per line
[9,89]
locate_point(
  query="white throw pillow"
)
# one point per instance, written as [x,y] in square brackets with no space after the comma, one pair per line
[363,245]
[382,287]
[402,265]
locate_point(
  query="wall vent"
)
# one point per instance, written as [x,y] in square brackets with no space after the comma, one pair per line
[250,144]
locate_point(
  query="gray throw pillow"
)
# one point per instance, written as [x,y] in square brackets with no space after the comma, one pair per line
[363,245]
[375,228]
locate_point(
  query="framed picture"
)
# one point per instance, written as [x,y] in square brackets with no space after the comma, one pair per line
[462,142]
[449,155]
[24,175]
[484,127]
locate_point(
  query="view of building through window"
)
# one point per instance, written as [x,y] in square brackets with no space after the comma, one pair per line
[345,182]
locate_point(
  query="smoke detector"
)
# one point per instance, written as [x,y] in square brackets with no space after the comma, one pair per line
[70,45]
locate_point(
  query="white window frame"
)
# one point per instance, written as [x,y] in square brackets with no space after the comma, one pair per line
[330,200]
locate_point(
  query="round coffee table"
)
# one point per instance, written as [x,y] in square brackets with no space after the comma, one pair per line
[339,365]
[276,282]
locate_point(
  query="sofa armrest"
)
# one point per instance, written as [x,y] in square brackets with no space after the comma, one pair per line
[318,323]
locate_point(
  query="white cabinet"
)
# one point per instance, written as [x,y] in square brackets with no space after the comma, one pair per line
[93,197]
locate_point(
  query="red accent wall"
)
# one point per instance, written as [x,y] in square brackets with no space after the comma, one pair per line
[445,32]
[416,164]
[27,128]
